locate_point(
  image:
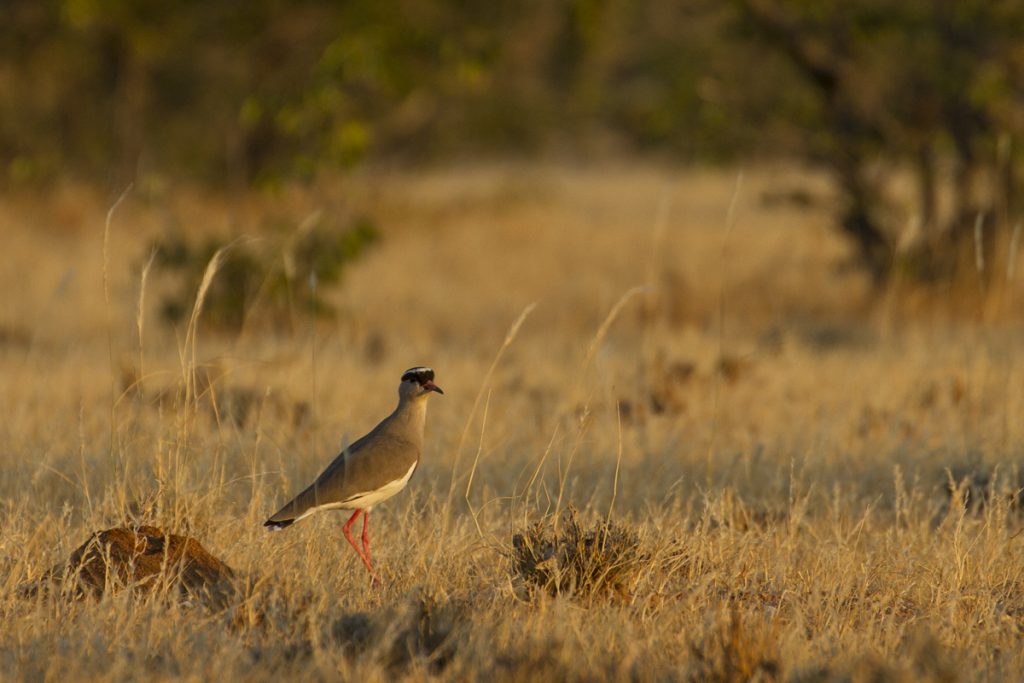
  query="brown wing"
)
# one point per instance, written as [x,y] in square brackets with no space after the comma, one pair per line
[364,466]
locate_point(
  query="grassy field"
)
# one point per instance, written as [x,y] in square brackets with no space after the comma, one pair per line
[773,448]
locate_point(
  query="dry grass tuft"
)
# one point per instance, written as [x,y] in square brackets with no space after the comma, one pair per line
[569,560]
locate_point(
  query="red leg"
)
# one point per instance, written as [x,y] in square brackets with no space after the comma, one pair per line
[366,534]
[366,545]
[347,529]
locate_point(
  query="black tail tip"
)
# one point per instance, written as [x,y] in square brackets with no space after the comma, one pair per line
[274,526]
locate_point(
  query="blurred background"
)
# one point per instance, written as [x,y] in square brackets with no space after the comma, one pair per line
[375,184]
[913,109]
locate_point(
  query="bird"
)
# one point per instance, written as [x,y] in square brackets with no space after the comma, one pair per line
[372,469]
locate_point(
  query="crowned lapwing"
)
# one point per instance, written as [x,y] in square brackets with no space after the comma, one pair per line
[373,468]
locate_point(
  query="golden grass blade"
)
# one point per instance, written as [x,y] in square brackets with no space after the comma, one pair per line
[191,331]
[510,336]
[540,463]
[106,302]
[595,343]
[140,319]
[476,461]
[618,460]
[602,331]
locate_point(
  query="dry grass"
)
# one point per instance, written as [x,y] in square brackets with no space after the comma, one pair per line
[577,562]
[805,486]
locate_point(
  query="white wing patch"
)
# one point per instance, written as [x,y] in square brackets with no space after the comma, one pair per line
[320,508]
[367,499]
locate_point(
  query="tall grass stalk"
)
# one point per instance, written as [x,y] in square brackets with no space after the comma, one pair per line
[189,358]
[730,225]
[112,450]
[476,461]
[140,321]
[618,460]
[595,344]
[510,337]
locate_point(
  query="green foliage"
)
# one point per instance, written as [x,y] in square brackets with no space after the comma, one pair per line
[262,91]
[918,85]
[263,281]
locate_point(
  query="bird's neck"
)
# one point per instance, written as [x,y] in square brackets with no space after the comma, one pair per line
[411,413]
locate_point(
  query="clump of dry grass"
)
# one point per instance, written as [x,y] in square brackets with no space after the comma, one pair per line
[571,560]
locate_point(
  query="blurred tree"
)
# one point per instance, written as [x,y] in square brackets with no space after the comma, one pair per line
[926,84]
[259,91]
[262,90]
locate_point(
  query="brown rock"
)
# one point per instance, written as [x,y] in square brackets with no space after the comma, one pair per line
[142,558]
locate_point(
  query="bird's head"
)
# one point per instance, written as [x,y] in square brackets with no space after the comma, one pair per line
[417,382]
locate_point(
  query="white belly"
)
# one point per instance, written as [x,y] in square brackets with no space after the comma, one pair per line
[365,501]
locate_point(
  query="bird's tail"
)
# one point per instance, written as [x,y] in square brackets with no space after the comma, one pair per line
[276,525]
